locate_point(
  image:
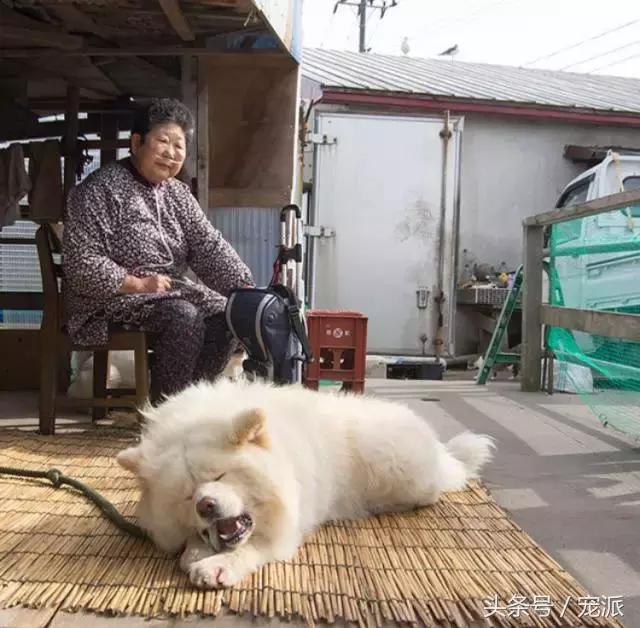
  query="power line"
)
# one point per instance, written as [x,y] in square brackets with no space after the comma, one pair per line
[373,34]
[364,6]
[457,22]
[602,54]
[327,29]
[608,65]
[584,41]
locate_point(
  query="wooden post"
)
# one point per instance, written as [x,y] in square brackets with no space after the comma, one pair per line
[190,99]
[531,304]
[71,137]
[109,132]
[203,135]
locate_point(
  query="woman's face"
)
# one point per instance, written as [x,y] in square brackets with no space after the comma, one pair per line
[161,155]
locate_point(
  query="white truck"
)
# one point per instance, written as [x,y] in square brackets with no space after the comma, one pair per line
[598,258]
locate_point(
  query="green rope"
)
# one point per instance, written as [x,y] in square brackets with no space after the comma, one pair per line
[57,478]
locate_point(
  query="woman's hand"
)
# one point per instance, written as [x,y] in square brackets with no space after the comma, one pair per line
[155,283]
[150,284]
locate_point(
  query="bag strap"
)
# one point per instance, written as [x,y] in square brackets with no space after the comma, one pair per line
[294,316]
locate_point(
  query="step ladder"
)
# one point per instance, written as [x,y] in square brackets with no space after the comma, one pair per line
[493,354]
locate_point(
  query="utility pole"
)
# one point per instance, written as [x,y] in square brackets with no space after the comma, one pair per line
[364,6]
[363,25]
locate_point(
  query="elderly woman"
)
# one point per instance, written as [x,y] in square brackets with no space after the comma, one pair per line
[131,232]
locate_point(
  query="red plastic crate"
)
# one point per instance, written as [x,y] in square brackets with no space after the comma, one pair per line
[339,343]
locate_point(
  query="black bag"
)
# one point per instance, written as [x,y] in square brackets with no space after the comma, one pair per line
[267,323]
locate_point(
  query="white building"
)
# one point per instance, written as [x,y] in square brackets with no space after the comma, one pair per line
[406,205]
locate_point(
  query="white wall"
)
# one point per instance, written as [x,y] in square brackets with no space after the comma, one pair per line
[512,169]
[515,168]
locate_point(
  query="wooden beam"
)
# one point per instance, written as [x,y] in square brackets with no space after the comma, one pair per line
[531,302]
[108,138]
[140,78]
[596,322]
[251,59]
[92,86]
[584,153]
[107,144]
[189,71]
[200,14]
[46,129]
[102,106]
[248,197]
[71,137]
[588,154]
[177,19]
[592,208]
[25,30]
[41,38]
[236,5]
[76,20]
[21,301]
[203,140]
[150,51]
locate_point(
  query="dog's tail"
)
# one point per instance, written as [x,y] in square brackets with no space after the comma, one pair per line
[473,450]
[466,454]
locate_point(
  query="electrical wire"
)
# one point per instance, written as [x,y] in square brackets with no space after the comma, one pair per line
[609,65]
[326,30]
[465,20]
[583,41]
[602,54]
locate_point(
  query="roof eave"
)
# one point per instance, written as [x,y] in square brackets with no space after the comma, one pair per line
[423,102]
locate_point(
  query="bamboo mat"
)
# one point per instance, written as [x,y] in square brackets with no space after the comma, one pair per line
[430,567]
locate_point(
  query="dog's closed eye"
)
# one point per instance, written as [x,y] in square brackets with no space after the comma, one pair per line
[217,479]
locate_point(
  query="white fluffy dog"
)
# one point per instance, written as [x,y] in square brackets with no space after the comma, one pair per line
[238,473]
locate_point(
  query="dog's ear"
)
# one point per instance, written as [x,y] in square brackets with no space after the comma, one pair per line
[131,460]
[250,427]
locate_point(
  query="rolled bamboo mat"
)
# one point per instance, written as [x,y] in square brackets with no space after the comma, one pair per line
[435,566]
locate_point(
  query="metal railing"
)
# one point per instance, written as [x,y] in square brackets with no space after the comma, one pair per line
[535,314]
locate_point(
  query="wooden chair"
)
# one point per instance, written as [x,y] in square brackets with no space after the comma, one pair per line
[56,346]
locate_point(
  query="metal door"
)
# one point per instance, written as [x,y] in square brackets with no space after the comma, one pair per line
[378,190]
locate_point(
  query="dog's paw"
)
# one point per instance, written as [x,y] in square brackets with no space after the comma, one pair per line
[213,573]
[194,552]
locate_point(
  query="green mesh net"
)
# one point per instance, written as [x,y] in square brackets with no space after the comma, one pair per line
[595,264]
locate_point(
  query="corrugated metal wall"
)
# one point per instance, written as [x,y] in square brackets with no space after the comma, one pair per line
[254,232]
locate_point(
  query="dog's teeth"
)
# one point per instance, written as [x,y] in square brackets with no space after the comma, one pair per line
[237,527]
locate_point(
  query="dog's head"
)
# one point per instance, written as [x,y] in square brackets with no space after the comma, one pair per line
[210,477]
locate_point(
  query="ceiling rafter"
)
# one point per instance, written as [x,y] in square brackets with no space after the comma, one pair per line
[20,28]
[177,19]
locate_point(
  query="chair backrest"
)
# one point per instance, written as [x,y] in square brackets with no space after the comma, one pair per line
[49,245]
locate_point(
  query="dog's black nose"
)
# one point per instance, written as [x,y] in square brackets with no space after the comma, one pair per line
[207,508]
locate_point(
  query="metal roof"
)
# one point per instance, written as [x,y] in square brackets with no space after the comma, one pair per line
[339,69]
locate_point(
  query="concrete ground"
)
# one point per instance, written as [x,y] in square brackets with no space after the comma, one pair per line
[573,485]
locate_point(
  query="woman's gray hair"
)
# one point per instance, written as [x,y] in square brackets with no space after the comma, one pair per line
[160,111]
